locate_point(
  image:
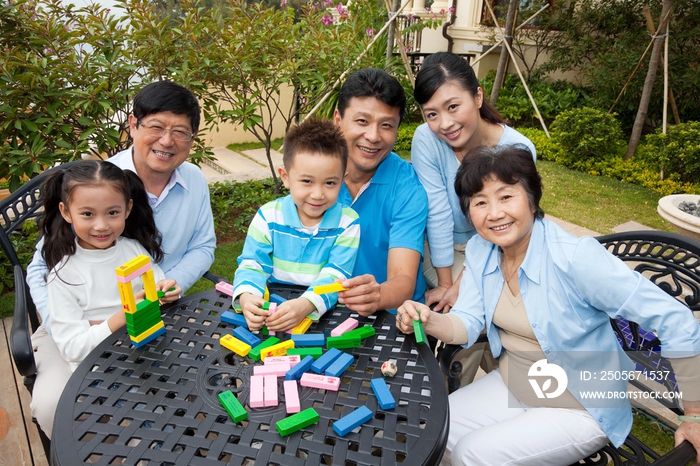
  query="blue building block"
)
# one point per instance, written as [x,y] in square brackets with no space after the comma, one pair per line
[298,370]
[150,338]
[381,391]
[244,334]
[322,363]
[234,318]
[347,423]
[309,340]
[277,299]
[339,365]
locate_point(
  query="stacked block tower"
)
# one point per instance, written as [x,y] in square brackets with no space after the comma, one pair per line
[143,320]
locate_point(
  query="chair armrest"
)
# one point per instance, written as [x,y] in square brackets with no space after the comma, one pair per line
[20,335]
[214,277]
[451,368]
[682,454]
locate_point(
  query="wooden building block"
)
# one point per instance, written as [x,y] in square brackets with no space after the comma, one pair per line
[232,406]
[381,391]
[320,381]
[297,421]
[344,327]
[329,288]
[348,422]
[257,394]
[234,344]
[291,396]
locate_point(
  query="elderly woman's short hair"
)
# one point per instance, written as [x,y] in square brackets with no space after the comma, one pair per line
[509,164]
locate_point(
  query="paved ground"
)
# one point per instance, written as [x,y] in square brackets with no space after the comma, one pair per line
[253,165]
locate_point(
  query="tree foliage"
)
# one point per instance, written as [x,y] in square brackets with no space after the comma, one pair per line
[604,39]
[68,75]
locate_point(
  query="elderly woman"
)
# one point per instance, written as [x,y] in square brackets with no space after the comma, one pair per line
[544,298]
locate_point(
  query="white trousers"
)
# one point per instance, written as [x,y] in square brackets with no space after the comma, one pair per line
[52,374]
[485,430]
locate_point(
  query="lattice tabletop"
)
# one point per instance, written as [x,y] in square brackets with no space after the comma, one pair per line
[158,404]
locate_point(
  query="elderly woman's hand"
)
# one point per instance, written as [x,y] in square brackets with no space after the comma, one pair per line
[406,314]
[690,431]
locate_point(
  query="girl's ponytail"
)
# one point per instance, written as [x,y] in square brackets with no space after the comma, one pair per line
[140,224]
[59,239]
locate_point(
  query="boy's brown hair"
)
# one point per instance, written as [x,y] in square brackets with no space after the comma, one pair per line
[315,136]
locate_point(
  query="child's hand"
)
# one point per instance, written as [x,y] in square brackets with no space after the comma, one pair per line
[115,321]
[165,286]
[289,314]
[251,308]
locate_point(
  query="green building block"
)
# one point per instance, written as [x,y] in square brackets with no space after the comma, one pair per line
[232,406]
[343,341]
[254,353]
[265,306]
[418,330]
[297,421]
[147,307]
[316,352]
[141,325]
[361,332]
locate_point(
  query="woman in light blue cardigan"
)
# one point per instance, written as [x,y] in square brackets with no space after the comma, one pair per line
[459,118]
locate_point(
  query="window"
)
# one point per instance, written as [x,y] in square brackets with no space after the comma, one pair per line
[526,8]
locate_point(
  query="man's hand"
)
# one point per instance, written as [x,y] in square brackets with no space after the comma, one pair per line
[363,295]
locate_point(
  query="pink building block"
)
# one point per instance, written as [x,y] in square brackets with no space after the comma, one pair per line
[278,370]
[133,275]
[346,326]
[291,396]
[272,309]
[291,360]
[257,396]
[271,391]
[323,382]
[225,288]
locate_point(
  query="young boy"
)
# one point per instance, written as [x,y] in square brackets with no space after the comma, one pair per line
[305,238]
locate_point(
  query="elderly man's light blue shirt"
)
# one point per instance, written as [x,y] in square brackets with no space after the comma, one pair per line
[571,287]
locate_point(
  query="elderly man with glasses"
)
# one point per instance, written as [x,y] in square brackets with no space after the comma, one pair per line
[164,122]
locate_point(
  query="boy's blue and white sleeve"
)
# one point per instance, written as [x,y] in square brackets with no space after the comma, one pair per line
[255,262]
[341,263]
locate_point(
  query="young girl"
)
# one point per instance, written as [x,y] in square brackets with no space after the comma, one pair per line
[96,218]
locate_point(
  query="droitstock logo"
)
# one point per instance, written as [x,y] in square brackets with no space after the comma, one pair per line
[545,372]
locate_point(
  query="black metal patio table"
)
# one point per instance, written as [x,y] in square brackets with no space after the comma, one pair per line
[157,405]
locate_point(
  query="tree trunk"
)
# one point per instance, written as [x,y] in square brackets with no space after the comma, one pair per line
[649,81]
[503,59]
[390,36]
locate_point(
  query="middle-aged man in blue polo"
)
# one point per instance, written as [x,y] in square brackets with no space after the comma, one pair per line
[164,122]
[386,193]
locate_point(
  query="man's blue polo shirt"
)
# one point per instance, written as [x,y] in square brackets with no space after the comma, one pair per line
[393,211]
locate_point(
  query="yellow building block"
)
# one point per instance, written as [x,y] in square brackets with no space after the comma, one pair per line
[149,284]
[232,343]
[302,326]
[133,265]
[126,294]
[148,332]
[330,288]
[280,349]
[266,294]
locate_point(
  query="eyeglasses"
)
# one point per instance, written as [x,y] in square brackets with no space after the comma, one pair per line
[157,132]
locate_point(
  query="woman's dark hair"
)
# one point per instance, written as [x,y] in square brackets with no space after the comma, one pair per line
[441,67]
[59,238]
[509,164]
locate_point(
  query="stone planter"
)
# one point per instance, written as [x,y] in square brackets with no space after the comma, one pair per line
[686,224]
